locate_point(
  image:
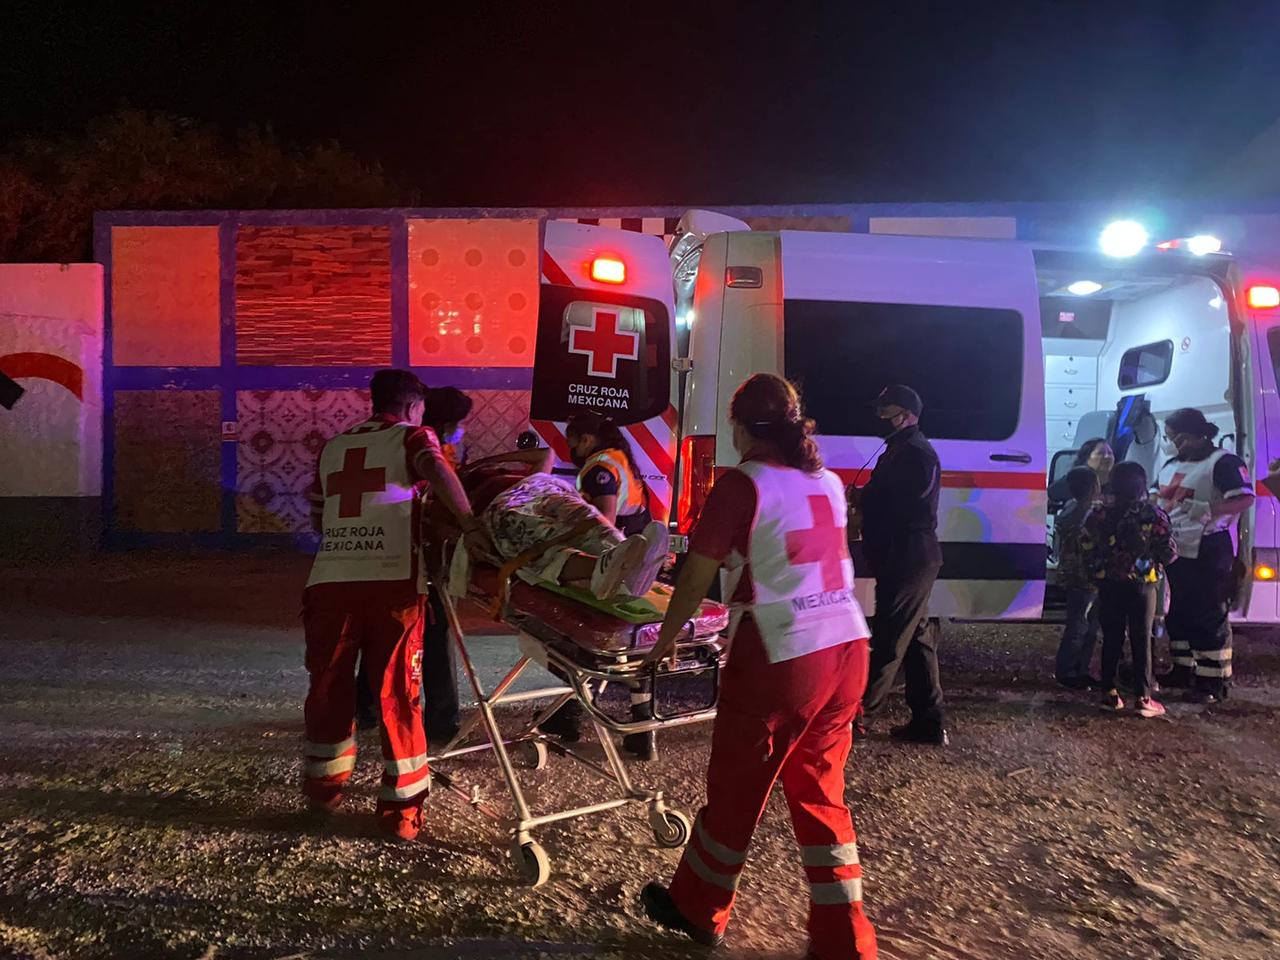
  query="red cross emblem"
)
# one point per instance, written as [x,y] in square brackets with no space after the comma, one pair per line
[603,344]
[1174,492]
[823,543]
[353,481]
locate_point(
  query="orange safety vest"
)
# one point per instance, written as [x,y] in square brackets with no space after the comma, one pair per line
[631,489]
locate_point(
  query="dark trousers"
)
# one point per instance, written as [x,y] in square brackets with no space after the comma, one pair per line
[1127,606]
[1079,635]
[900,637]
[440,712]
[1199,605]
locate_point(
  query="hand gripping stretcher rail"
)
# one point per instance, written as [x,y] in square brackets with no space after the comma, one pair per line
[590,649]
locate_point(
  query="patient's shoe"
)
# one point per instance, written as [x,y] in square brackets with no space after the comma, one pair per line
[617,564]
[640,582]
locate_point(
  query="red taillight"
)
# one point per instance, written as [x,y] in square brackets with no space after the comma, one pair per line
[608,270]
[1263,297]
[697,474]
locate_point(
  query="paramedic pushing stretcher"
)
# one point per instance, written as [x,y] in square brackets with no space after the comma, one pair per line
[796,670]
[610,480]
[898,511]
[365,598]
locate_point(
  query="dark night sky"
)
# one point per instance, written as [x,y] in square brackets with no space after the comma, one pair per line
[545,102]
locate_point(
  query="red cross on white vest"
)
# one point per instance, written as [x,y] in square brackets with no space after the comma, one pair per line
[603,344]
[353,481]
[823,543]
[1174,492]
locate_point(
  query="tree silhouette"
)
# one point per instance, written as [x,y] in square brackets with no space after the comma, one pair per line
[136,160]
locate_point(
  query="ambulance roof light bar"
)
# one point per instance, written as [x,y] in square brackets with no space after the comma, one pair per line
[1123,238]
[608,269]
[1199,245]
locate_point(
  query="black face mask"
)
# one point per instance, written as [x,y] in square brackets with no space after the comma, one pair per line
[887,429]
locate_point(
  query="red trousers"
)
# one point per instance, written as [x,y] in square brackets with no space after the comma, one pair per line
[381,622]
[789,720]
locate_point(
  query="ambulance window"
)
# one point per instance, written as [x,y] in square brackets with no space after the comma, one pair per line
[965,362]
[602,351]
[1147,365]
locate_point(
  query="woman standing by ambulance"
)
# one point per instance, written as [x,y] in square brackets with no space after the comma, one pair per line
[794,678]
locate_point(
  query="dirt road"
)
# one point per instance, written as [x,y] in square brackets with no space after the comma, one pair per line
[148,805]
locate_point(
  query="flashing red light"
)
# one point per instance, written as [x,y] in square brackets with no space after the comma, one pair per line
[697,476]
[1263,297]
[608,270]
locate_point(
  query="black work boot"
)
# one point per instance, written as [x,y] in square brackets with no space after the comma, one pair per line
[662,910]
[934,734]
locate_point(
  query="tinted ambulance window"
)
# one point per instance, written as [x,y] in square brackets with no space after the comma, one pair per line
[1147,365]
[600,351]
[965,362]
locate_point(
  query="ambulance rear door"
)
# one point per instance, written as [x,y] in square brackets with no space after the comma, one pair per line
[959,321]
[606,329]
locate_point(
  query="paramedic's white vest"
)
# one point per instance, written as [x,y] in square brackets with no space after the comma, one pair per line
[369,498]
[1194,483]
[800,564]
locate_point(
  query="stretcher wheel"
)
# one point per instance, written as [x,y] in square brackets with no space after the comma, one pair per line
[539,754]
[532,862]
[671,828]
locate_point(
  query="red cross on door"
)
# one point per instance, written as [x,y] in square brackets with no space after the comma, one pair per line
[353,481]
[823,543]
[603,344]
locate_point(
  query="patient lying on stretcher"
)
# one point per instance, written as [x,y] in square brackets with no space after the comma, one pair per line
[543,521]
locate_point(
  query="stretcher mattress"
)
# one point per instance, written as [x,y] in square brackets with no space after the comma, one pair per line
[561,617]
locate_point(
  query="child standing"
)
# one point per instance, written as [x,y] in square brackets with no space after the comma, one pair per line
[1125,545]
[1075,651]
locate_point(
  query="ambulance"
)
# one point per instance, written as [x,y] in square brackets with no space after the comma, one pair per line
[1019,353]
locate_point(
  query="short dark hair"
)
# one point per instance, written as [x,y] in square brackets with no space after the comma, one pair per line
[1082,482]
[445,405]
[1129,482]
[393,389]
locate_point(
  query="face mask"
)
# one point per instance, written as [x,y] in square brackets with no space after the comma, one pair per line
[1169,448]
[887,426]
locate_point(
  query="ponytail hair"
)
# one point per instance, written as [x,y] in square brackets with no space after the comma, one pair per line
[768,408]
[1192,421]
[595,424]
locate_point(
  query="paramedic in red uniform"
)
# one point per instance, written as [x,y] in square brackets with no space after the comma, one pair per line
[1202,488]
[365,598]
[795,675]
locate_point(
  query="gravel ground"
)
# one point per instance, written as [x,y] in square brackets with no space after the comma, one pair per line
[148,805]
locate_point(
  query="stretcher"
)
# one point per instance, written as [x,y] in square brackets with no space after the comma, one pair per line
[591,649]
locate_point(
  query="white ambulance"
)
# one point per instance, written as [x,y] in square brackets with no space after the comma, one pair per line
[1020,354]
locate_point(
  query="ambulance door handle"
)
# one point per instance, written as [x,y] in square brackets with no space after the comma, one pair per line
[1011,457]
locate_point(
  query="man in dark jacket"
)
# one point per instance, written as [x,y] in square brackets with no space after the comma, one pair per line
[898,513]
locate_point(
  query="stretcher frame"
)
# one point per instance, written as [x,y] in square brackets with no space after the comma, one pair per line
[584,669]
